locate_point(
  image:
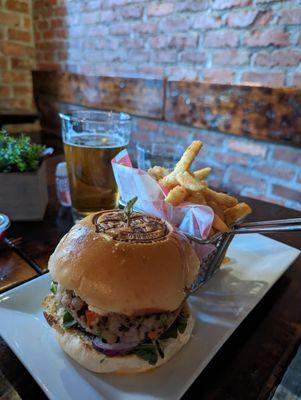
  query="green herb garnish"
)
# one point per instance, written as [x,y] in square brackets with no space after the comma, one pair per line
[68,320]
[53,287]
[128,209]
[148,352]
[18,154]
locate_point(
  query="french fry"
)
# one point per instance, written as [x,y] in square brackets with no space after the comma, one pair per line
[237,212]
[176,195]
[217,209]
[189,182]
[223,199]
[170,181]
[197,198]
[219,224]
[188,157]
[158,172]
[202,173]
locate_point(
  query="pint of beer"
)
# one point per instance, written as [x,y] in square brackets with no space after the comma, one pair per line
[91,140]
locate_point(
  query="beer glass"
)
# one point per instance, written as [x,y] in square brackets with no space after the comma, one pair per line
[91,139]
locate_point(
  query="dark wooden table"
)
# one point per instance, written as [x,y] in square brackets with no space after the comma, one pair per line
[249,365]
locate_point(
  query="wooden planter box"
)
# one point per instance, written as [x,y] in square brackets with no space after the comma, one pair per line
[23,195]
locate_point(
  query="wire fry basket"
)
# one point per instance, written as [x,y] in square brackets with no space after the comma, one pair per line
[210,263]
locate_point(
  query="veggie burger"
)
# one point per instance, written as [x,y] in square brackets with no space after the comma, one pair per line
[117,300]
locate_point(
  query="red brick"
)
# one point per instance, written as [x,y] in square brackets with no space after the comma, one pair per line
[263,18]
[267,38]
[181,73]
[159,10]
[159,42]
[297,80]
[287,192]
[120,29]
[146,27]
[37,36]
[11,19]
[242,19]
[283,58]
[151,71]
[290,16]
[219,76]
[3,63]
[108,16]
[21,36]
[289,155]
[275,170]
[230,57]
[17,5]
[14,49]
[223,4]
[176,131]
[4,91]
[60,12]
[193,56]
[244,179]
[228,159]
[43,24]
[165,56]
[26,24]
[204,22]
[268,79]
[148,125]
[89,18]
[133,43]
[183,41]
[21,63]
[248,147]
[15,76]
[132,12]
[48,35]
[179,24]
[57,23]
[192,5]
[221,39]
[22,90]
[61,34]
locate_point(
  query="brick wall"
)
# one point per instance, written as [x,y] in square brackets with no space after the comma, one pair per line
[16,54]
[218,40]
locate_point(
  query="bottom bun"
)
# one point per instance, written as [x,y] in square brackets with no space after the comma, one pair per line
[76,345]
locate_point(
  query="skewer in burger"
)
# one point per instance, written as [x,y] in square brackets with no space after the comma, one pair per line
[118,292]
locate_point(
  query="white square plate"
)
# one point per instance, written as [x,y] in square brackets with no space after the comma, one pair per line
[219,307]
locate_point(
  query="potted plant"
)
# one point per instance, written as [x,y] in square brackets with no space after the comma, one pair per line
[23,185]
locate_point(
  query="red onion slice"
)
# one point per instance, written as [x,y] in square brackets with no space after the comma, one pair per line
[114,349]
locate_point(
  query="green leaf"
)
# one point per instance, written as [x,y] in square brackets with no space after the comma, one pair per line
[179,325]
[148,352]
[128,209]
[18,154]
[53,287]
[68,320]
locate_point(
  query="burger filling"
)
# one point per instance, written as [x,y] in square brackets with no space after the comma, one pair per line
[118,334]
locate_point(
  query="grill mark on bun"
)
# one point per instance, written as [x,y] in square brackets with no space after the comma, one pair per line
[143,228]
